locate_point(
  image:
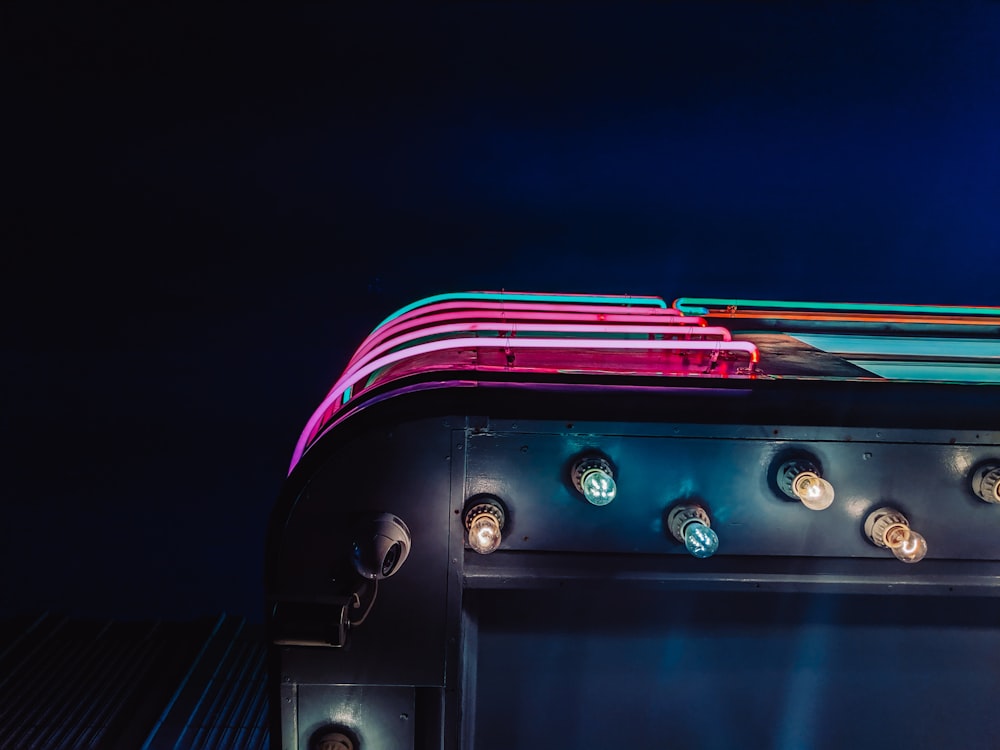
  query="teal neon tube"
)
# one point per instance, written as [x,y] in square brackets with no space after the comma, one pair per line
[588,299]
[699,306]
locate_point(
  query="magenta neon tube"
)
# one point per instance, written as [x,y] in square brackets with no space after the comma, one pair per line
[403,323]
[524,343]
[512,329]
[599,313]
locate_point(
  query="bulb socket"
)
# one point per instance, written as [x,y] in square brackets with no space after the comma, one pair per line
[792,470]
[488,507]
[587,464]
[986,483]
[334,741]
[334,738]
[881,523]
[682,515]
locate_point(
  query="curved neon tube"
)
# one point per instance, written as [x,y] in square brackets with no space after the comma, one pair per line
[600,299]
[515,310]
[597,314]
[513,329]
[505,307]
[662,325]
[745,347]
[462,306]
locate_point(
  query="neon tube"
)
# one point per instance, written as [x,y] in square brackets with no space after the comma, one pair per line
[505,315]
[596,314]
[513,329]
[663,325]
[700,305]
[516,308]
[311,427]
[560,311]
[613,299]
[458,306]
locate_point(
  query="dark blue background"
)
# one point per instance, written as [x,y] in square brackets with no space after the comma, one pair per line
[209,208]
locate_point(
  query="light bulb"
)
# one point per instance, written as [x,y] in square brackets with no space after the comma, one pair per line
[700,540]
[815,492]
[800,479]
[598,487]
[906,544]
[484,521]
[689,523]
[595,479]
[887,527]
[484,534]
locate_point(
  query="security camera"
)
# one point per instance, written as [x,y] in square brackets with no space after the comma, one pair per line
[381,545]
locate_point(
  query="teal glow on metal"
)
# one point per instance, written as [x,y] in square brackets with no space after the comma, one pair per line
[903,346]
[981,365]
[700,306]
[938,372]
[588,299]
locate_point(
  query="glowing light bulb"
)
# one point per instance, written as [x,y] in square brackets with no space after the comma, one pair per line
[700,540]
[800,479]
[815,492]
[484,521]
[690,524]
[598,487]
[907,545]
[890,529]
[595,479]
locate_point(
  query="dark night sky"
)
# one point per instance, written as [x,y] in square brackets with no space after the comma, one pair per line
[208,209]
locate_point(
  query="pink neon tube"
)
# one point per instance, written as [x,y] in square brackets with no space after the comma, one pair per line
[312,425]
[551,311]
[402,323]
[562,311]
[512,329]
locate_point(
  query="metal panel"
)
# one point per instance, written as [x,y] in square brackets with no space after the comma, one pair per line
[380,716]
[403,470]
[925,473]
[692,669]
